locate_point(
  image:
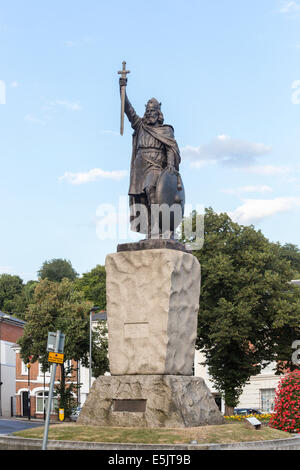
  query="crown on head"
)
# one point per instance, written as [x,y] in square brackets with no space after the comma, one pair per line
[153,103]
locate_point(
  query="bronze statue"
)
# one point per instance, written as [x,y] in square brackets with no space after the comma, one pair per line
[154,173]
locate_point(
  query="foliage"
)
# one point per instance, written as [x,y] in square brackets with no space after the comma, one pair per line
[292,254]
[93,285]
[10,288]
[65,392]
[249,313]
[56,270]
[56,306]
[100,361]
[263,418]
[60,306]
[286,415]
[14,295]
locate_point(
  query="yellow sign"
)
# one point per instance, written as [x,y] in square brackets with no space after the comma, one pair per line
[58,358]
[61,414]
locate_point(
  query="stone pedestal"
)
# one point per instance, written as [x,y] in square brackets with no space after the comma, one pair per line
[152,290]
[150,401]
[152,311]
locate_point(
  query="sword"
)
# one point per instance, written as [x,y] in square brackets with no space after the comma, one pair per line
[123,74]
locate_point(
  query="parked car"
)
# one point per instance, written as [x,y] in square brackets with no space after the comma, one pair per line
[75,413]
[246,411]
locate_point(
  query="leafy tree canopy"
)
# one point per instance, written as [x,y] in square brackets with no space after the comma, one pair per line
[93,285]
[249,313]
[291,253]
[56,270]
[56,306]
[14,295]
[60,306]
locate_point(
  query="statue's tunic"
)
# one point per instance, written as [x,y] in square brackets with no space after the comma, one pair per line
[154,147]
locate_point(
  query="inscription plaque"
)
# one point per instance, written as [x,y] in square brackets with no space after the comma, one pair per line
[136,330]
[138,406]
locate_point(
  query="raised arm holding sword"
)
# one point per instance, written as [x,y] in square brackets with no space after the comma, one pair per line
[154,173]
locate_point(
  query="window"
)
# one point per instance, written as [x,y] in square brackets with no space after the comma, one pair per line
[24,369]
[267,400]
[41,373]
[42,402]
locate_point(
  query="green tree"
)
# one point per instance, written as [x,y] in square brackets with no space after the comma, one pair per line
[249,313]
[56,270]
[291,253]
[19,303]
[65,391]
[100,363]
[93,285]
[10,288]
[57,306]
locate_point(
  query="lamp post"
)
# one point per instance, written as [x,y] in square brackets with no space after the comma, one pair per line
[28,368]
[93,309]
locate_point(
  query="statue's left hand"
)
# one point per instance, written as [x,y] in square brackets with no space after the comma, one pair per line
[171,168]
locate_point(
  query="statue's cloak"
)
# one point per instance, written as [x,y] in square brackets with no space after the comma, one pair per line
[164,134]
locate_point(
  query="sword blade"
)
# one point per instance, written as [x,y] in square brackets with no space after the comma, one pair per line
[122,109]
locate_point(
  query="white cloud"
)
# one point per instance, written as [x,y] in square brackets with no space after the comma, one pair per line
[93,175]
[33,119]
[296,94]
[14,84]
[248,189]
[48,111]
[71,105]
[268,170]
[290,7]
[254,210]
[224,149]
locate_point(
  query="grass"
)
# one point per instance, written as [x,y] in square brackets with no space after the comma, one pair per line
[226,434]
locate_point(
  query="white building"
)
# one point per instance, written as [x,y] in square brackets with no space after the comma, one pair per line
[10,330]
[258,394]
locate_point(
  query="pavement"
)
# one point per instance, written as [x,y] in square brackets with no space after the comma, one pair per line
[10,425]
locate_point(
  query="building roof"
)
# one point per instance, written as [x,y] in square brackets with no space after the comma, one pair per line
[100,316]
[11,319]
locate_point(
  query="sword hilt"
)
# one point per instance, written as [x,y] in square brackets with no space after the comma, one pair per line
[123,72]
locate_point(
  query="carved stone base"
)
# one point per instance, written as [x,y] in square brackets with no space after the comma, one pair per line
[150,401]
[152,311]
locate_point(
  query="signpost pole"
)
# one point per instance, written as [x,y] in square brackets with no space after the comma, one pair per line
[52,379]
[29,400]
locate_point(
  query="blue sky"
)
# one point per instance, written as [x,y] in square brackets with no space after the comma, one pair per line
[227,73]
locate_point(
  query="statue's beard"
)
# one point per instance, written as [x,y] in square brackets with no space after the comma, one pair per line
[150,120]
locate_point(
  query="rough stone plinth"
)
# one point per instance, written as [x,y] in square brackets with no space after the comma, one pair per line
[154,401]
[153,244]
[152,310]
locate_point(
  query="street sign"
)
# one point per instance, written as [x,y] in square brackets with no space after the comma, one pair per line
[61,414]
[52,341]
[57,358]
[252,423]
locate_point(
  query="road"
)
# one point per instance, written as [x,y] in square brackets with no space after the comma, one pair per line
[10,425]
